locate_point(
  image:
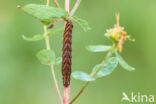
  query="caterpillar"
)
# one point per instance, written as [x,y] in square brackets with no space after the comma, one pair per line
[67,53]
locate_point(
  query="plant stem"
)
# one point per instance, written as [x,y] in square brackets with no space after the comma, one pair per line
[55,81]
[56,4]
[80,92]
[47,42]
[66,95]
[102,63]
[75,7]
[51,65]
[66,89]
[87,83]
[67,3]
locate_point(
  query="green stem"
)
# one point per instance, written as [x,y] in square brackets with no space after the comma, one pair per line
[102,63]
[46,38]
[87,83]
[52,65]
[80,92]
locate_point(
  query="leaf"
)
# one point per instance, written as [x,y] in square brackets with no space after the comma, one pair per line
[44,13]
[34,38]
[106,69]
[56,31]
[98,48]
[123,62]
[58,60]
[82,76]
[82,23]
[46,57]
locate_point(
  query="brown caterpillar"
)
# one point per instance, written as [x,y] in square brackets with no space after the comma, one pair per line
[67,53]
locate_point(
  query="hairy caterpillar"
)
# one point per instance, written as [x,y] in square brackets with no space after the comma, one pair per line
[67,53]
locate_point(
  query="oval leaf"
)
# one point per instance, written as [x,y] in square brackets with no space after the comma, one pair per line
[58,60]
[82,23]
[123,62]
[44,13]
[46,57]
[98,48]
[82,76]
[34,38]
[101,71]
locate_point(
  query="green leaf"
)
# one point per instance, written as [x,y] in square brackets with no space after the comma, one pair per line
[123,62]
[82,23]
[44,13]
[98,48]
[46,57]
[56,32]
[82,76]
[58,60]
[106,69]
[34,38]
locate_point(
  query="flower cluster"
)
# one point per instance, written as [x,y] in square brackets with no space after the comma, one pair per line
[118,35]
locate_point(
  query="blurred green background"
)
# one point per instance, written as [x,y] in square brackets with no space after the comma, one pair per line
[23,80]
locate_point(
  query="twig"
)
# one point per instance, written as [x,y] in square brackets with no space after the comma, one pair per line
[80,92]
[56,4]
[56,85]
[82,89]
[66,95]
[102,63]
[51,65]
[75,7]
[67,3]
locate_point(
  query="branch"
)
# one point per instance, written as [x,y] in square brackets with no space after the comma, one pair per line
[56,4]
[75,7]
[56,85]
[67,3]
[80,92]
[102,63]
[51,65]
[66,95]
[83,88]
